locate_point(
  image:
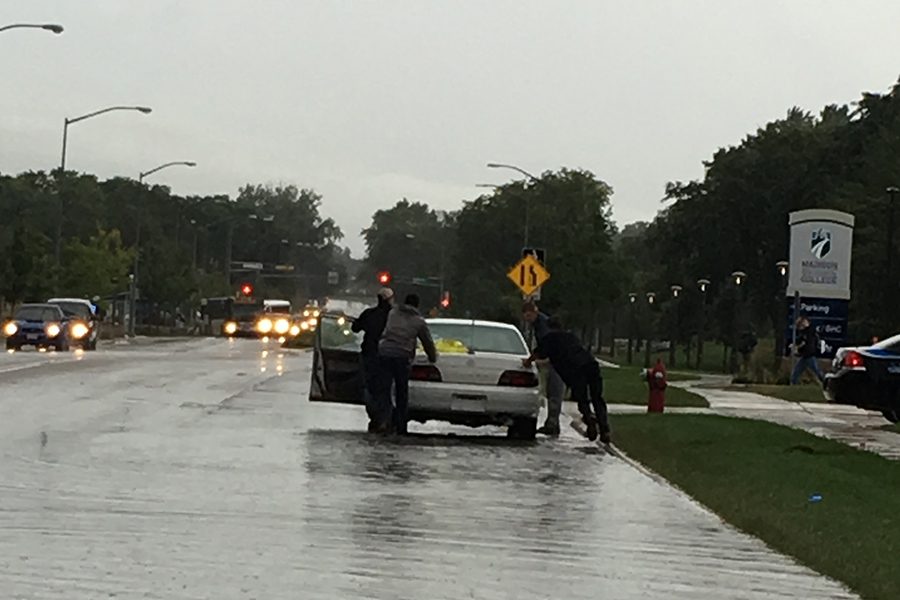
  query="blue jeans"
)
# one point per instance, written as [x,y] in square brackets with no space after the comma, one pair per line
[804,363]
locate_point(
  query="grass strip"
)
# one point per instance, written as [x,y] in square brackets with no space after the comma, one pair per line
[763,478]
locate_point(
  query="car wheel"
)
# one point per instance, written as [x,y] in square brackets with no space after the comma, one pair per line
[91,345]
[522,428]
[62,346]
[892,415]
[11,345]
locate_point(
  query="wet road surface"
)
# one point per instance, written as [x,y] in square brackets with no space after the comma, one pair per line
[198,470]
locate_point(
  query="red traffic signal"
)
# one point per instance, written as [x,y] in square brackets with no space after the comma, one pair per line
[384,277]
[445,300]
[247,289]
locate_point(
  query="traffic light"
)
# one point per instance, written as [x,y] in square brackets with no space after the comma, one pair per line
[445,300]
[247,289]
[384,277]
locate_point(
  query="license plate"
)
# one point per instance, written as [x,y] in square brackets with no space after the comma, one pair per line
[468,404]
[32,336]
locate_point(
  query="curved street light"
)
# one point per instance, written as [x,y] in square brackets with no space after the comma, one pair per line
[52,27]
[676,290]
[703,284]
[739,277]
[527,199]
[183,163]
[142,109]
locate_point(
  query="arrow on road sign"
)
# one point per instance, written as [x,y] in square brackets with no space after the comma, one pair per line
[528,275]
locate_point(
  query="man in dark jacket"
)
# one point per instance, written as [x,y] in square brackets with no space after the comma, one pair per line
[807,349]
[581,372]
[396,350]
[556,389]
[372,322]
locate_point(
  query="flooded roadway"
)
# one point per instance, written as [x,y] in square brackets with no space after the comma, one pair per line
[198,470]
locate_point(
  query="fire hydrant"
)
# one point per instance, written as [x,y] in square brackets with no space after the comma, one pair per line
[656,383]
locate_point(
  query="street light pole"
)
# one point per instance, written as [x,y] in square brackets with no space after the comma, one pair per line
[739,278]
[632,300]
[52,27]
[891,286]
[62,172]
[527,198]
[703,285]
[137,243]
[676,297]
[648,339]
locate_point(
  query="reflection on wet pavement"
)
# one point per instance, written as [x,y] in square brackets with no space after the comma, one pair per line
[197,476]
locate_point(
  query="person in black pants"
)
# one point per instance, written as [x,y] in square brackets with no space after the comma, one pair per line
[372,322]
[396,351]
[581,372]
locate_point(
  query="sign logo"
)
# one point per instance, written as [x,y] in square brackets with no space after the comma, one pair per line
[820,243]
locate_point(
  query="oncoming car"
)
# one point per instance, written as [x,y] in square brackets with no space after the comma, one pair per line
[867,377]
[84,326]
[38,325]
[478,379]
[276,325]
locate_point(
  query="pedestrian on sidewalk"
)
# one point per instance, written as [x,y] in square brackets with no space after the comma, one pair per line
[372,321]
[807,349]
[555,388]
[396,351]
[581,372]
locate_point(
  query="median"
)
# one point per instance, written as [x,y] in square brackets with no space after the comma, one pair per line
[833,508]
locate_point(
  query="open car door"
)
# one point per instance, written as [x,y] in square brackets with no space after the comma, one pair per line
[336,373]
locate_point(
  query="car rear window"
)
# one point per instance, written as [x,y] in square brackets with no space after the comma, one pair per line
[75,309]
[477,338]
[37,313]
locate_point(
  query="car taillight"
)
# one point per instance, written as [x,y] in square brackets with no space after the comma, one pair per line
[518,379]
[853,359]
[425,373]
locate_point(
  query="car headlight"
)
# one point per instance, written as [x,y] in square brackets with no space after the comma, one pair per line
[282,326]
[53,330]
[295,330]
[316,314]
[10,329]
[230,327]
[79,330]
[264,326]
[305,313]
[304,326]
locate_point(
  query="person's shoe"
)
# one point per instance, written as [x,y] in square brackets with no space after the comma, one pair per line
[606,438]
[591,423]
[549,430]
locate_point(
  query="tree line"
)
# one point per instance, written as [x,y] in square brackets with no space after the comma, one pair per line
[72,234]
[642,280]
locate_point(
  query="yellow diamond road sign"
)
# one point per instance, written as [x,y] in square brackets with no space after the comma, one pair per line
[529,274]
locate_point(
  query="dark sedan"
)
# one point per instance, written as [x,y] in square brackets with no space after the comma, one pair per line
[37,325]
[867,377]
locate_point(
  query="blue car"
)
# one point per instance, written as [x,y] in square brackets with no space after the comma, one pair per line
[38,325]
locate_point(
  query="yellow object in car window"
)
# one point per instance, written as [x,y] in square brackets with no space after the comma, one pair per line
[448,346]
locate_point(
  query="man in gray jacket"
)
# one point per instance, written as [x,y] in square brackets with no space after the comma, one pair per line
[396,351]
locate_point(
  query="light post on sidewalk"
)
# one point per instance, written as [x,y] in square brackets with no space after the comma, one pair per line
[62,169]
[781,267]
[703,286]
[632,301]
[676,323]
[739,279]
[648,338]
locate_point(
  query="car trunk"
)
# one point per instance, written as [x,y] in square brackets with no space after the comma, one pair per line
[479,368]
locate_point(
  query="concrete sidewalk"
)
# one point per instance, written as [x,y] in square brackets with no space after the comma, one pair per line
[858,428]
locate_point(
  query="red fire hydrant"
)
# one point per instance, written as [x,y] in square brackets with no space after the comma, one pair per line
[656,382]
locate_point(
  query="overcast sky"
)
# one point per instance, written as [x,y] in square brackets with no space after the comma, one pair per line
[368,102]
